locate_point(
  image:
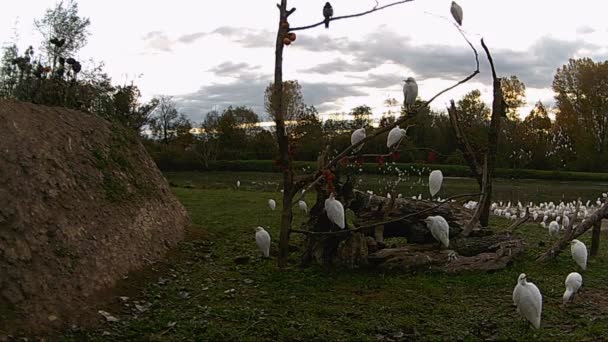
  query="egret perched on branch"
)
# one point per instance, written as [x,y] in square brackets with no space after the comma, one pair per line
[272,204]
[262,239]
[579,253]
[303,206]
[335,211]
[573,282]
[410,92]
[528,300]
[395,136]
[439,229]
[328,12]
[358,135]
[435,180]
[456,12]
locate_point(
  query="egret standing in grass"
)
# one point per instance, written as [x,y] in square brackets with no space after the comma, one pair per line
[335,211]
[573,283]
[435,180]
[410,92]
[303,206]
[553,228]
[395,136]
[262,239]
[358,135]
[328,12]
[272,204]
[579,253]
[238,184]
[456,12]
[440,229]
[528,300]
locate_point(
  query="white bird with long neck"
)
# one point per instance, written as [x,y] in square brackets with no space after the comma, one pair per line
[456,11]
[410,92]
[435,180]
[573,283]
[238,184]
[303,206]
[335,211]
[566,221]
[440,229]
[528,300]
[395,136]
[358,135]
[579,253]
[272,204]
[262,239]
[553,228]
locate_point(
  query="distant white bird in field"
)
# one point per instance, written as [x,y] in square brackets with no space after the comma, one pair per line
[559,218]
[272,204]
[394,136]
[439,229]
[528,300]
[262,239]
[573,282]
[456,12]
[565,221]
[553,228]
[303,206]
[579,253]
[410,92]
[543,224]
[238,184]
[358,135]
[335,211]
[534,216]
[435,180]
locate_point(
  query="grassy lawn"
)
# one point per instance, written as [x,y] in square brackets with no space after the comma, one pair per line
[200,294]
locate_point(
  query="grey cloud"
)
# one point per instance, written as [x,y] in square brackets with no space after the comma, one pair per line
[233,69]
[248,37]
[158,40]
[585,30]
[249,91]
[337,65]
[192,37]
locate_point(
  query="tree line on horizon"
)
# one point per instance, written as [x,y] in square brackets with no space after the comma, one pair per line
[576,140]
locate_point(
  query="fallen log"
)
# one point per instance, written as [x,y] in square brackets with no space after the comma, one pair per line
[494,256]
[369,209]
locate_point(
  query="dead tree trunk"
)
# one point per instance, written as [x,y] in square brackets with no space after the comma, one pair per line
[595,238]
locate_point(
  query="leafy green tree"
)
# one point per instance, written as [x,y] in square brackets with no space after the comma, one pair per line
[514,93]
[361,116]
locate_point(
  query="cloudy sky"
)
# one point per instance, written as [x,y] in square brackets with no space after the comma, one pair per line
[213,54]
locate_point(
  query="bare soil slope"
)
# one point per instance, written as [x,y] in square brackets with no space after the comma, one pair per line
[81,205]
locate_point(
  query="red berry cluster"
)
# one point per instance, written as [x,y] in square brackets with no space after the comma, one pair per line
[344,161]
[395,156]
[380,161]
[329,180]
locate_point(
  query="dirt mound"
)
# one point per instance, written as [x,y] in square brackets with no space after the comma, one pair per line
[81,205]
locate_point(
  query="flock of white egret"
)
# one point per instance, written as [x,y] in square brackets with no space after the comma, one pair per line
[526,295]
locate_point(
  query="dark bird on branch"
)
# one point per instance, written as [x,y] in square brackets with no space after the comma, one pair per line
[328,12]
[70,61]
[57,42]
[456,12]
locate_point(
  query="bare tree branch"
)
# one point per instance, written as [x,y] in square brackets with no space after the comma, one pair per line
[350,231]
[376,8]
[519,222]
[480,205]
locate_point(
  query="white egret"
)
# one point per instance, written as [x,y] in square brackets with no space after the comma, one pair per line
[272,204]
[303,206]
[238,184]
[579,253]
[439,229]
[528,300]
[394,136]
[553,228]
[262,239]
[358,135]
[573,282]
[335,211]
[410,92]
[565,221]
[456,12]
[435,180]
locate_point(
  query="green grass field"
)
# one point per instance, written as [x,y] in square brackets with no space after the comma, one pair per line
[200,294]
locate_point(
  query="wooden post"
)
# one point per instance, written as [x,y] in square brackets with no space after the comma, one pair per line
[595,238]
